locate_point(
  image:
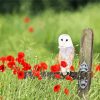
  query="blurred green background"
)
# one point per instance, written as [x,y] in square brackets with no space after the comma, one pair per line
[47,19]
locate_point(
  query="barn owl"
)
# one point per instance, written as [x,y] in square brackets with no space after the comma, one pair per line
[66,52]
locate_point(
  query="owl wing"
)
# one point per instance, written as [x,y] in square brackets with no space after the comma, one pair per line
[71,57]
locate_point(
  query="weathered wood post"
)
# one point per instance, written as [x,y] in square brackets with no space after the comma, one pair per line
[86,50]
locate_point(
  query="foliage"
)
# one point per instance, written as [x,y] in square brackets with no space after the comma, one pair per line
[36,6]
[41,31]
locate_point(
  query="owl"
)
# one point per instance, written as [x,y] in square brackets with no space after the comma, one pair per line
[66,52]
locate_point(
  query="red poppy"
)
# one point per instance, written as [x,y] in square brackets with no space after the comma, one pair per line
[43,66]
[55,68]
[36,73]
[20,60]
[72,68]
[21,74]
[66,91]
[2,68]
[57,88]
[63,64]
[21,55]
[26,66]
[69,78]
[16,70]
[98,68]
[30,29]
[10,58]
[39,78]
[27,20]
[57,76]
[37,67]
[11,64]
[3,59]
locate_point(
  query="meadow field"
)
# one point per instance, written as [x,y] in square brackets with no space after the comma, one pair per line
[37,36]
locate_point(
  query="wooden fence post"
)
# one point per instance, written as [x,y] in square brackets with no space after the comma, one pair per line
[86,51]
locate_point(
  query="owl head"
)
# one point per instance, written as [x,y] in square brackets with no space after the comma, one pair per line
[64,41]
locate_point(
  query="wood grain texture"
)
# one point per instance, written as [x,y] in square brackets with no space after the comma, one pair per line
[50,75]
[86,52]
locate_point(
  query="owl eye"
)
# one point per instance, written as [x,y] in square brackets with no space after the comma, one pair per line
[66,39]
[61,39]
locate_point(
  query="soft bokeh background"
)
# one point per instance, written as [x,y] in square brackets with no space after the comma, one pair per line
[48,19]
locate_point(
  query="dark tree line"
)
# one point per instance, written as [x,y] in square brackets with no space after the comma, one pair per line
[10,6]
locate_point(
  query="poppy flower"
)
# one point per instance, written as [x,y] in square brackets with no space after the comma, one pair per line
[26,66]
[66,91]
[16,70]
[98,68]
[27,20]
[57,76]
[21,55]
[36,73]
[69,78]
[20,74]
[10,58]
[55,68]
[20,60]
[63,64]
[43,66]
[3,59]
[57,88]
[72,68]
[30,29]
[11,64]
[2,68]
[39,78]
[37,67]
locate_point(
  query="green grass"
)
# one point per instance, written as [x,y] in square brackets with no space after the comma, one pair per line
[14,37]
[33,89]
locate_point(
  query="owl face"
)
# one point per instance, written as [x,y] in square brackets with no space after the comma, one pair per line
[64,41]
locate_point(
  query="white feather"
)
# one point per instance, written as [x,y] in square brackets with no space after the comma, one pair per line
[66,51]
